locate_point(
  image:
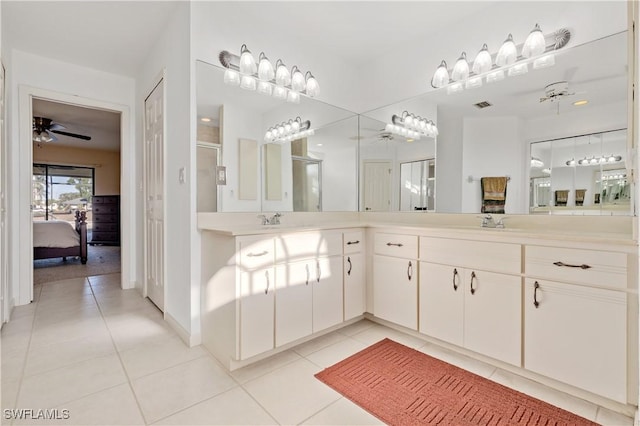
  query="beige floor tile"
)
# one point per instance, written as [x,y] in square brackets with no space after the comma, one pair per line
[20,326]
[291,393]
[356,327]
[22,311]
[67,384]
[169,391]
[606,417]
[330,355]
[12,365]
[45,318]
[477,367]
[343,412]
[64,303]
[137,329]
[260,368]
[45,358]
[9,392]
[159,355]
[378,332]
[234,407]
[559,399]
[67,330]
[318,343]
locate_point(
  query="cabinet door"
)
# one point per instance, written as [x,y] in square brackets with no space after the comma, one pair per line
[354,286]
[577,335]
[395,290]
[492,315]
[256,312]
[293,300]
[442,302]
[327,293]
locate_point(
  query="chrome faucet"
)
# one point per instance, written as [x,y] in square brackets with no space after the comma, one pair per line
[265,220]
[487,221]
[273,220]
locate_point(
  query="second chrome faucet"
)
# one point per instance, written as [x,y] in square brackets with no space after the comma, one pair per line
[273,220]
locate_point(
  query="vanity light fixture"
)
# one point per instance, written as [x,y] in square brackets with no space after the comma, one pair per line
[536,162]
[592,161]
[279,82]
[205,119]
[411,126]
[289,131]
[537,49]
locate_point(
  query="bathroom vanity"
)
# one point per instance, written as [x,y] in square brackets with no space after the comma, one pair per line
[552,305]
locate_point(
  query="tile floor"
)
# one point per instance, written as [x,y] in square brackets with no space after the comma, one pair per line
[107,356]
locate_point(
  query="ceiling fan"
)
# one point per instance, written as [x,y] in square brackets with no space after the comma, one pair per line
[556,91]
[43,129]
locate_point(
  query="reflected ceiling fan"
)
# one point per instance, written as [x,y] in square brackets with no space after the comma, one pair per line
[44,129]
[554,92]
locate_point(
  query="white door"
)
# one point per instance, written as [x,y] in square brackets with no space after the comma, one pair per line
[395,290]
[376,186]
[327,293]
[293,300]
[154,194]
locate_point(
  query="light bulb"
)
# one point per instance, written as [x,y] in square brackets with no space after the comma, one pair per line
[293,97]
[280,130]
[280,92]
[482,63]
[435,129]
[441,76]
[460,69]
[507,54]
[265,88]
[287,127]
[518,69]
[45,137]
[247,61]
[283,76]
[265,69]
[313,88]
[389,128]
[231,77]
[267,136]
[534,45]
[36,136]
[296,125]
[408,120]
[494,76]
[247,82]
[298,82]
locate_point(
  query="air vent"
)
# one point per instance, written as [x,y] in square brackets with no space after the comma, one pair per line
[483,104]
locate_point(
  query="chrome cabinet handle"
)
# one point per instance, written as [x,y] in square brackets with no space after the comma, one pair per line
[394,244]
[266,274]
[410,271]
[473,277]
[307,268]
[318,271]
[262,253]
[536,286]
[583,266]
[350,266]
[353,242]
[455,275]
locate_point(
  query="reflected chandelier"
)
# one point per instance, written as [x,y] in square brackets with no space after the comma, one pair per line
[289,131]
[279,82]
[411,126]
[537,48]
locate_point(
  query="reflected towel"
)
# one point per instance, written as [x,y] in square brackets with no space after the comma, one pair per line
[494,188]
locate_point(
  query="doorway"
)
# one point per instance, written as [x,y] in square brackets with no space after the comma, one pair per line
[376,184]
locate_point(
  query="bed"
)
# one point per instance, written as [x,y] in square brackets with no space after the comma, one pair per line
[55,238]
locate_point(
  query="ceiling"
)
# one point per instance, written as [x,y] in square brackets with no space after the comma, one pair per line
[102,126]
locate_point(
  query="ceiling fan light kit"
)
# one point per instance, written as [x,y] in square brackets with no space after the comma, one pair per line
[537,49]
[43,129]
[263,77]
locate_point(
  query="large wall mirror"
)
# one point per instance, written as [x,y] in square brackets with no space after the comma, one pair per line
[495,131]
[239,171]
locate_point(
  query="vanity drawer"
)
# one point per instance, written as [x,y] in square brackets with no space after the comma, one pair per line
[601,268]
[353,242]
[405,246]
[308,245]
[497,257]
[256,252]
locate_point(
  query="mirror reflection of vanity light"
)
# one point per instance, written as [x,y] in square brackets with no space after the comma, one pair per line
[580,102]
[205,119]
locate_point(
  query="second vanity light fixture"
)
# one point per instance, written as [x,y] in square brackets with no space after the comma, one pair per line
[537,48]
[289,131]
[592,161]
[279,82]
[411,126]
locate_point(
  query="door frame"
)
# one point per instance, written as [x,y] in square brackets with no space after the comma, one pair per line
[160,78]
[127,185]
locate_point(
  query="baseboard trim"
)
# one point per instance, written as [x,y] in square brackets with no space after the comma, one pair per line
[190,340]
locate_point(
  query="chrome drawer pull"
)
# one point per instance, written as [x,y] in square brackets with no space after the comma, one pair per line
[307,268]
[318,270]
[257,254]
[353,242]
[394,244]
[583,266]
[536,286]
[266,275]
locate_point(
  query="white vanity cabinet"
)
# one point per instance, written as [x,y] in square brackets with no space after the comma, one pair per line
[308,284]
[395,279]
[463,303]
[353,267]
[574,331]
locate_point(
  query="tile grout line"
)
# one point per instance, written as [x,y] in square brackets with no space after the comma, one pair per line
[129,381]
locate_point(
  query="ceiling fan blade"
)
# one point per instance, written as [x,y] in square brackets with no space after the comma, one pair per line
[52,136]
[73,135]
[56,126]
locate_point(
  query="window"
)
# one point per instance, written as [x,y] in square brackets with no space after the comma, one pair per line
[58,191]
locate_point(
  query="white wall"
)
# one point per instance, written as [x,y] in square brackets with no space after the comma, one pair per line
[171,53]
[489,147]
[64,78]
